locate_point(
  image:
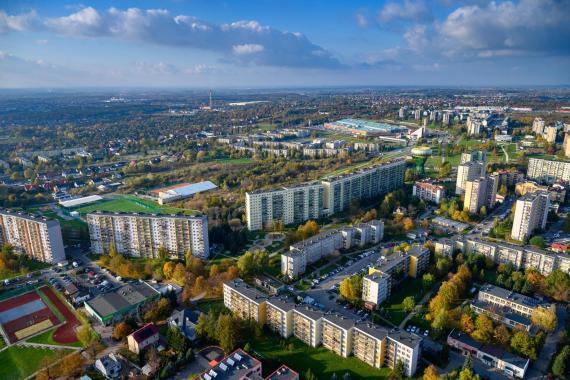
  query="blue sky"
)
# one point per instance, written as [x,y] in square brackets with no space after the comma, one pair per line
[263,43]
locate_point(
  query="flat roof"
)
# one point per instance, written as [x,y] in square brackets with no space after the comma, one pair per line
[281,304]
[339,320]
[246,290]
[369,125]
[517,298]
[283,373]
[501,311]
[234,366]
[374,331]
[119,299]
[186,189]
[81,201]
[405,338]
[30,217]
[144,215]
[309,312]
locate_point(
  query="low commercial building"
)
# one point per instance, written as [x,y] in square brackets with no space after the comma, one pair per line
[511,365]
[238,365]
[280,316]
[245,301]
[119,303]
[337,334]
[308,325]
[143,338]
[283,373]
[501,314]
[181,191]
[37,237]
[515,302]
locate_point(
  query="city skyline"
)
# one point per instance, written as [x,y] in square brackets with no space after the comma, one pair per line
[296,44]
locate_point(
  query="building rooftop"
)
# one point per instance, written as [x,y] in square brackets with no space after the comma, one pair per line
[308,312]
[122,298]
[372,330]
[405,338]
[30,217]
[369,125]
[502,311]
[418,250]
[145,332]
[149,216]
[247,290]
[281,304]
[283,373]
[386,263]
[517,298]
[233,367]
[376,277]
[338,177]
[338,320]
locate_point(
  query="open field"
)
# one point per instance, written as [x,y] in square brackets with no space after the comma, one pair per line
[48,338]
[130,203]
[17,362]
[394,308]
[216,305]
[322,362]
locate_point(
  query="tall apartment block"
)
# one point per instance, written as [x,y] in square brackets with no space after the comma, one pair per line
[480,192]
[474,156]
[303,253]
[428,191]
[375,289]
[288,205]
[315,199]
[142,235]
[366,183]
[245,301]
[468,171]
[548,172]
[37,237]
[530,214]
[538,126]
[550,133]
[280,316]
[337,334]
[308,325]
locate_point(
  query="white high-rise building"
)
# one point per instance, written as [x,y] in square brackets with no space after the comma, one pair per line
[142,235]
[548,172]
[37,237]
[468,171]
[474,156]
[480,192]
[375,288]
[538,126]
[550,134]
[530,214]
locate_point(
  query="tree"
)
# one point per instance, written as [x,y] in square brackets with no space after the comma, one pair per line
[121,331]
[466,323]
[212,323]
[397,373]
[351,288]
[468,374]
[168,269]
[408,224]
[557,285]
[163,253]
[483,329]
[309,375]
[427,281]
[537,241]
[559,367]
[246,264]
[201,326]
[176,340]
[179,274]
[86,335]
[544,317]
[524,345]
[409,303]
[502,335]
[430,373]
[226,332]
[71,365]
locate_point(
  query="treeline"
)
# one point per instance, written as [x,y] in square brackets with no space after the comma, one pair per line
[226,330]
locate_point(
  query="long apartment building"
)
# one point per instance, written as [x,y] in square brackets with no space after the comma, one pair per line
[522,257]
[373,344]
[143,235]
[428,191]
[303,253]
[37,237]
[313,200]
[337,334]
[531,213]
[480,192]
[397,267]
[547,171]
[245,301]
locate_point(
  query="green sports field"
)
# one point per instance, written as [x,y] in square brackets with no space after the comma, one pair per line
[130,203]
[17,362]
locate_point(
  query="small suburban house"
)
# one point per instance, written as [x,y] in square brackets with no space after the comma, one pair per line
[185,320]
[142,338]
[109,366]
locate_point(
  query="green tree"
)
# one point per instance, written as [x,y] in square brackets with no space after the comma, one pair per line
[468,374]
[557,285]
[524,345]
[559,367]
[226,331]
[409,303]
[430,373]
[176,340]
[201,326]
[309,375]
[163,253]
[427,281]
[397,373]
[483,329]
[537,241]
[545,317]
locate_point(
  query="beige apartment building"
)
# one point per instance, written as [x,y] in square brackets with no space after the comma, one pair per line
[143,235]
[34,236]
[530,214]
[375,289]
[468,171]
[404,347]
[337,334]
[245,301]
[480,192]
[280,316]
[307,325]
[369,344]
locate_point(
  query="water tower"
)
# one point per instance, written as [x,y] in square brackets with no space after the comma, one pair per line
[420,155]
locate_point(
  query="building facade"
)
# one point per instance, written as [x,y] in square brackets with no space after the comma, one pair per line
[245,301]
[530,214]
[480,192]
[143,235]
[375,289]
[337,334]
[308,325]
[428,191]
[468,171]
[280,317]
[36,237]
[547,171]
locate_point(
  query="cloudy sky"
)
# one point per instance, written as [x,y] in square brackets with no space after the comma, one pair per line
[264,43]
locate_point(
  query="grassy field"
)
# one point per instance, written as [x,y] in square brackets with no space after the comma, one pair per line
[47,338]
[394,308]
[18,362]
[322,362]
[235,161]
[215,304]
[130,203]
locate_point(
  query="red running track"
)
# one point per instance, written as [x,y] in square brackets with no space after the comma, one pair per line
[66,332]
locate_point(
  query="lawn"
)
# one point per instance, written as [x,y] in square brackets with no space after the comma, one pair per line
[47,338]
[393,307]
[130,203]
[235,161]
[217,305]
[322,362]
[17,362]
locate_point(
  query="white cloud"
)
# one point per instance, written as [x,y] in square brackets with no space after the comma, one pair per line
[247,49]
[361,20]
[409,10]
[86,22]
[17,23]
